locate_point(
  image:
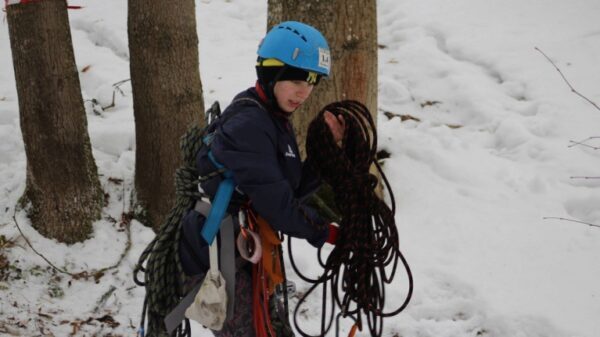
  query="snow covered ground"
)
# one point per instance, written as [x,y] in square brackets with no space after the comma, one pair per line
[490,156]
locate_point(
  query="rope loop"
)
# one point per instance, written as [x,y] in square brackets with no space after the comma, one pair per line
[367,252]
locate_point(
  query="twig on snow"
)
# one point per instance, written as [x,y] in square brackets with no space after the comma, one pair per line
[564,219]
[566,81]
[34,250]
[583,143]
[97,274]
[100,303]
[116,87]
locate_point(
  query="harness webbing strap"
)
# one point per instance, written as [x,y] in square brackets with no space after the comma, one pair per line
[174,318]
[202,207]
[227,254]
[227,267]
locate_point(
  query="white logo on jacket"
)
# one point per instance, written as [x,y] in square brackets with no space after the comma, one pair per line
[290,152]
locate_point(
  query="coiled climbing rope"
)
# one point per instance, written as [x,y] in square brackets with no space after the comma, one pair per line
[367,252]
[163,279]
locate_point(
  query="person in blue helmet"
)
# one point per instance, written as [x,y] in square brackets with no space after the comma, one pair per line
[254,139]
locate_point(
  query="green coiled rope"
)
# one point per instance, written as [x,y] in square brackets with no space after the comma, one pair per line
[163,279]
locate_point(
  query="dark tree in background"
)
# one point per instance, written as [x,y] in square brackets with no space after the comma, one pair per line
[167,97]
[62,192]
[350,27]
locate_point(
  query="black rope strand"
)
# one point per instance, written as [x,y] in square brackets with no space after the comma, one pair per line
[367,242]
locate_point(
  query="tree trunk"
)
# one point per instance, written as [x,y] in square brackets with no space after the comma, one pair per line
[350,27]
[62,188]
[167,97]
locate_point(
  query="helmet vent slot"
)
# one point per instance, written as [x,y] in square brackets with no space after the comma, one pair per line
[295,32]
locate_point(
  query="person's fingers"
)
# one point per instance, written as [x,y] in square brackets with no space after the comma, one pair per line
[336,125]
[342,122]
[329,117]
[331,121]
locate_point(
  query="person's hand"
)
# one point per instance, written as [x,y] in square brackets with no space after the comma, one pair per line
[337,126]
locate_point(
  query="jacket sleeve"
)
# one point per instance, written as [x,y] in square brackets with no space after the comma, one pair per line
[309,182]
[247,145]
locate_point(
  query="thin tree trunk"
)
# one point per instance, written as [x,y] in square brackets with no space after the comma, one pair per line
[167,97]
[62,188]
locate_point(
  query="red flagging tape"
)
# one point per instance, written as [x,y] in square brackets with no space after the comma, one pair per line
[17,2]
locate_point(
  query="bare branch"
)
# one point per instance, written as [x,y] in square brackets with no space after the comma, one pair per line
[583,177]
[581,222]
[566,81]
[100,303]
[34,250]
[116,87]
[125,223]
[583,143]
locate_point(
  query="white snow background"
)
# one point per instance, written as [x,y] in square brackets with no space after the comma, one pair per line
[491,156]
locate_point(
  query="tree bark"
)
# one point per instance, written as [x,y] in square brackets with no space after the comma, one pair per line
[350,28]
[62,192]
[167,97]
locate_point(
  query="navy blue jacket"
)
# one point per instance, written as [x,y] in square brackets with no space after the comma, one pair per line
[259,147]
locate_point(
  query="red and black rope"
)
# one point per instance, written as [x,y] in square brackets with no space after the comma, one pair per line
[367,252]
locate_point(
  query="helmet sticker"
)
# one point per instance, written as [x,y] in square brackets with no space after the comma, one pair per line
[324,58]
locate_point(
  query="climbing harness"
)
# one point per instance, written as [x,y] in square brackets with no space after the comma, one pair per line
[367,240]
[169,291]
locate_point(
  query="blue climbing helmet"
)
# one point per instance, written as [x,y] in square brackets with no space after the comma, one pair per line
[297,45]
[291,51]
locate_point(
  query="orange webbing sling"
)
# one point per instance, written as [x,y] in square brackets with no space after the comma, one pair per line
[266,274]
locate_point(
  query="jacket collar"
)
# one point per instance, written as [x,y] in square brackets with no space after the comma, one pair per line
[271,104]
[281,118]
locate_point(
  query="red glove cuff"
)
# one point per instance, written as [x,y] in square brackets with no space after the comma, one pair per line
[333,233]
